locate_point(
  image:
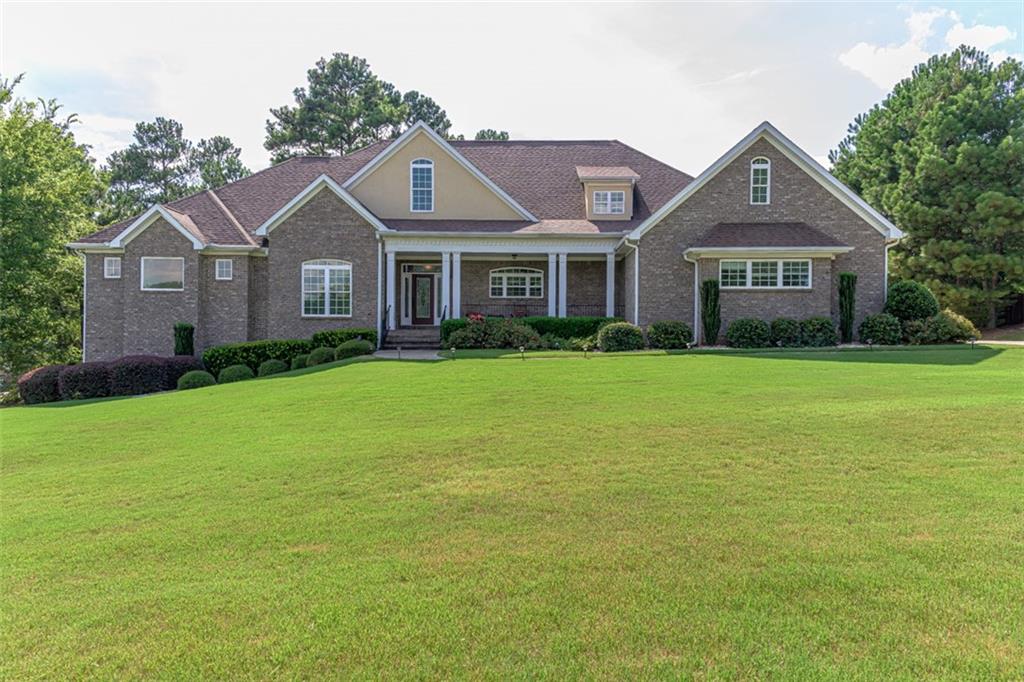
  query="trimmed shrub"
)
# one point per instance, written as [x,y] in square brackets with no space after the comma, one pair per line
[710,311]
[234,373]
[581,343]
[196,378]
[178,366]
[669,334]
[319,356]
[494,332]
[620,336]
[944,327]
[882,329]
[785,333]
[299,361]
[336,337]
[253,353]
[567,327]
[87,380]
[137,375]
[749,333]
[910,300]
[353,348]
[40,385]
[449,327]
[272,366]
[184,333]
[818,332]
[847,299]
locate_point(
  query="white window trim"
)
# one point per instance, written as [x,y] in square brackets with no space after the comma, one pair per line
[778,274]
[142,272]
[336,264]
[433,185]
[506,272]
[609,192]
[231,269]
[107,261]
[767,165]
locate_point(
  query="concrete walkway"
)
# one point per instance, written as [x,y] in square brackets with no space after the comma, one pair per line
[407,355]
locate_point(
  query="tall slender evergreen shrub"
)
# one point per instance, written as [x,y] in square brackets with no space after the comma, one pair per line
[847,298]
[184,334]
[710,312]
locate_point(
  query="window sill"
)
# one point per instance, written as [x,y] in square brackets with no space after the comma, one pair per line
[171,291]
[326,317]
[766,288]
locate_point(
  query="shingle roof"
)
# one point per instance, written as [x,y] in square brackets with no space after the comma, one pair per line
[759,235]
[540,175]
[606,172]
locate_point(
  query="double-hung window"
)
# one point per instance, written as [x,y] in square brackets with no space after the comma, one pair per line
[112,267]
[610,203]
[760,181]
[421,186]
[517,283]
[224,269]
[764,274]
[326,288]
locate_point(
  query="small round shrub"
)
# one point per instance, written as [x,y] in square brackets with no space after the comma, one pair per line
[669,334]
[620,336]
[353,348]
[910,300]
[233,373]
[138,375]
[196,378]
[749,333]
[785,332]
[40,385]
[299,361]
[943,327]
[817,332]
[882,329]
[87,380]
[319,356]
[178,366]
[268,367]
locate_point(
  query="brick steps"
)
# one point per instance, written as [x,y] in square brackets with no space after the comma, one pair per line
[413,338]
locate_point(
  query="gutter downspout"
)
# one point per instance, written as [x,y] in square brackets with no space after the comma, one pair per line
[696,298]
[888,245]
[635,245]
[85,296]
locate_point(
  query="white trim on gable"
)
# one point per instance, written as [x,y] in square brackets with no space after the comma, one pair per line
[798,156]
[148,218]
[300,199]
[404,139]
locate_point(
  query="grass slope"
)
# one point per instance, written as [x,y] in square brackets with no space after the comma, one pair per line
[817,515]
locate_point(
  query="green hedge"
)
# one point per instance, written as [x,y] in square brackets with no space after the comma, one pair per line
[336,337]
[882,329]
[749,333]
[669,334]
[620,336]
[817,332]
[449,327]
[353,348]
[234,373]
[785,332]
[254,353]
[567,327]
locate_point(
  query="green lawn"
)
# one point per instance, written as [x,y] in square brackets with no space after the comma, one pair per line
[853,515]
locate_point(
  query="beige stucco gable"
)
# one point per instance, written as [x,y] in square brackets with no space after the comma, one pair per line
[458,193]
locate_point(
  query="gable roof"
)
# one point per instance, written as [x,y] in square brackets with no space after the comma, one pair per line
[798,156]
[322,182]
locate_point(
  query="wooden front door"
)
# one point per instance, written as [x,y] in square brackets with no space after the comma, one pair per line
[423,299]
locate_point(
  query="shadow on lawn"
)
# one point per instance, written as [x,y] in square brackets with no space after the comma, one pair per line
[946,355]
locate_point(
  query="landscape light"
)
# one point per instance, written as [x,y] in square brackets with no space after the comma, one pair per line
[453,352]
[522,352]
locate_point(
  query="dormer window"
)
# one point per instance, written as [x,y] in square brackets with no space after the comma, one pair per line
[610,203]
[421,184]
[760,181]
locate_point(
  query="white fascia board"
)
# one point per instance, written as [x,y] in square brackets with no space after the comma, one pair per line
[794,154]
[497,244]
[433,234]
[93,247]
[300,199]
[148,218]
[405,137]
[761,251]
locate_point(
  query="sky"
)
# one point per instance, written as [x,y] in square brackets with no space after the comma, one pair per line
[681,82]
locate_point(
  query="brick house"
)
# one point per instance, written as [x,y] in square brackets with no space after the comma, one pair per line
[407,232]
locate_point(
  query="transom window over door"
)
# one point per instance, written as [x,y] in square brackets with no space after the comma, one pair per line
[610,203]
[326,288]
[421,184]
[517,283]
[760,180]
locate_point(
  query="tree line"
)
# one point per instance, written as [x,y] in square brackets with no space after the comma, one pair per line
[942,156]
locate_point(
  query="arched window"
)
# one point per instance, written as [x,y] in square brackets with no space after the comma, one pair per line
[326,288]
[760,181]
[421,186]
[517,283]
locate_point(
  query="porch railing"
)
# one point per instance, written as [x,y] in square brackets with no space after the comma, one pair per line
[536,308]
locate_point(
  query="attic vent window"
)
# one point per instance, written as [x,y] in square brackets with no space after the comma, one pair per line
[421,184]
[610,203]
[760,181]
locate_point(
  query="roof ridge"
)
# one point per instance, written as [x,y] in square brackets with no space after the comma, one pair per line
[231,217]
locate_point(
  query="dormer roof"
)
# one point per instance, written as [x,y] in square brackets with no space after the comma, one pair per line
[606,174]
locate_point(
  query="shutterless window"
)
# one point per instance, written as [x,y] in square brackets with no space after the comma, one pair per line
[326,288]
[421,179]
[609,203]
[517,283]
[764,274]
[760,180]
[796,273]
[224,268]
[733,273]
[163,274]
[112,268]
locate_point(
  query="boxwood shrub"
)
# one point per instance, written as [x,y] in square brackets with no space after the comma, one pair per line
[178,366]
[620,336]
[40,385]
[883,329]
[669,334]
[138,374]
[87,380]
[195,378]
[234,373]
[449,327]
[299,361]
[818,332]
[272,366]
[353,348]
[336,337]
[494,332]
[785,332]
[910,300]
[319,356]
[749,333]
[253,353]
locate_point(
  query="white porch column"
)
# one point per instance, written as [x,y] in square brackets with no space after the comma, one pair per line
[552,284]
[456,285]
[446,283]
[609,287]
[563,282]
[389,287]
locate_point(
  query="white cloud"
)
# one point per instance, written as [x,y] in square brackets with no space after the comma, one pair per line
[104,134]
[979,35]
[887,65]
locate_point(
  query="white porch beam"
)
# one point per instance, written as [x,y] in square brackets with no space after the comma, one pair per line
[609,287]
[446,283]
[552,284]
[456,285]
[389,287]
[563,282]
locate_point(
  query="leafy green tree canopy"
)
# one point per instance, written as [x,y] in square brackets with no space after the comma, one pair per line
[491,134]
[943,157]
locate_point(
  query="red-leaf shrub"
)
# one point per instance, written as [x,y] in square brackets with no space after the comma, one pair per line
[138,374]
[178,366]
[40,385]
[87,380]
